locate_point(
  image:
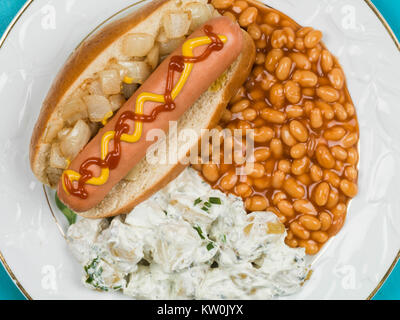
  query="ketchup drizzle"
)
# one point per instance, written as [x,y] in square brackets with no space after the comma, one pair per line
[176,64]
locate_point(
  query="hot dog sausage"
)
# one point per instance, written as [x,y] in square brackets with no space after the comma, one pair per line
[93,157]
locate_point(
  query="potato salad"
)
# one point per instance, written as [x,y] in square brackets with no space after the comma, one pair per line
[189,241]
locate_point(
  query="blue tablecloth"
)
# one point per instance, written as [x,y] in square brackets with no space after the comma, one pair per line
[390,10]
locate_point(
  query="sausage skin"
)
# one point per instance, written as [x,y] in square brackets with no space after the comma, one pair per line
[204,73]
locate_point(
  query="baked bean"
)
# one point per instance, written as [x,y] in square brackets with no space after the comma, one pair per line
[277,95]
[321,194]
[298,130]
[267,81]
[262,183]
[326,109]
[348,188]
[338,165]
[248,16]
[257,94]
[293,188]
[278,39]
[305,78]
[310,246]
[301,61]
[336,78]
[300,166]
[299,231]
[256,203]
[332,178]
[302,32]
[308,106]
[324,157]
[228,181]
[283,69]
[243,126]
[312,38]
[335,133]
[294,111]
[350,140]
[326,220]
[298,151]
[239,95]
[260,58]
[258,71]
[270,166]
[304,179]
[210,172]
[339,153]
[299,44]
[277,197]
[287,137]
[292,91]
[272,59]
[309,222]
[257,170]
[263,134]
[266,29]
[239,6]
[316,118]
[285,166]
[249,114]
[352,156]
[240,105]
[226,116]
[340,112]
[230,15]
[286,208]
[276,148]
[326,61]
[316,173]
[319,236]
[314,53]
[350,109]
[293,243]
[328,94]
[262,154]
[222,4]
[254,31]
[277,179]
[243,190]
[290,35]
[272,18]
[350,173]
[273,116]
[308,92]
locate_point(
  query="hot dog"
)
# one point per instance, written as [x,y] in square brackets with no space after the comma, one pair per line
[87,163]
[228,36]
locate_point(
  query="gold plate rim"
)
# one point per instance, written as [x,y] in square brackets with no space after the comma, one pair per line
[29,2]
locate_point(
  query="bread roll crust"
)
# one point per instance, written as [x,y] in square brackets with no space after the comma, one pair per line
[125,196]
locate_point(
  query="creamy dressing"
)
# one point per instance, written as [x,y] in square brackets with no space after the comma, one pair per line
[189,241]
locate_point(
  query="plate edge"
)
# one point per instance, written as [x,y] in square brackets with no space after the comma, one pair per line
[29,2]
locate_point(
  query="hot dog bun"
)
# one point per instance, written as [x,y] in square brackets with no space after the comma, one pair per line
[91,57]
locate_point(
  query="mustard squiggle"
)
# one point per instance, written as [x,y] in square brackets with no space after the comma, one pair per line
[187,51]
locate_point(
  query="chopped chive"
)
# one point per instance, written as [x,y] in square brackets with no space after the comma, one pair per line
[197,201]
[215,200]
[224,238]
[207,204]
[210,246]
[68,213]
[199,231]
[165,211]
[204,209]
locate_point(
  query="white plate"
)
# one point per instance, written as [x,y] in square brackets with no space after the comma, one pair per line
[350,266]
